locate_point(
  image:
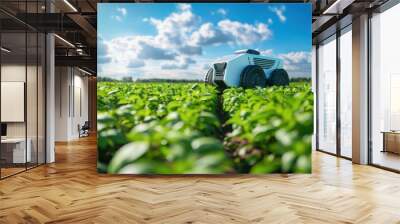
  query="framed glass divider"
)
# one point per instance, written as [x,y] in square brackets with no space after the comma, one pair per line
[384,87]
[334,93]
[22,91]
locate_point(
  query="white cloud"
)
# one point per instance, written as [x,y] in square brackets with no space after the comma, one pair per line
[268,52]
[270,21]
[244,33]
[178,37]
[222,12]
[185,7]
[148,51]
[180,63]
[297,64]
[279,11]
[208,34]
[174,29]
[190,50]
[297,57]
[233,32]
[118,18]
[135,63]
[123,11]
[103,56]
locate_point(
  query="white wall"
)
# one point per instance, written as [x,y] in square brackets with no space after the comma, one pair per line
[71,94]
[62,82]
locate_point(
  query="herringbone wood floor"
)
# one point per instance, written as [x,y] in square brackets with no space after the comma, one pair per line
[70,191]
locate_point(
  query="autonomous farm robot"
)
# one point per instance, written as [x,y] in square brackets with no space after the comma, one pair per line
[247,68]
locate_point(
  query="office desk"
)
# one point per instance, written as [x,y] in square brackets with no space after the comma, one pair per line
[391,141]
[16,147]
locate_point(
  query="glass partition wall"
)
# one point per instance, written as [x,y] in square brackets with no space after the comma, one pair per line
[327,95]
[385,89]
[22,95]
[345,91]
[334,94]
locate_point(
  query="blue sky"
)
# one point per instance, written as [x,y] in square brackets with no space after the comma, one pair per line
[181,40]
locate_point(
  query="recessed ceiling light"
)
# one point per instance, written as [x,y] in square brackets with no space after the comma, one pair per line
[64,40]
[84,71]
[5,50]
[70,5]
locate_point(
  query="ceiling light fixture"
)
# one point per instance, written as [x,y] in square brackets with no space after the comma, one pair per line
[5,50]
[337,7]
[84,71]
[70,5]
[64,40]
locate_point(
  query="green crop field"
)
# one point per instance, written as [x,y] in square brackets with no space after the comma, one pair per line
[190,128]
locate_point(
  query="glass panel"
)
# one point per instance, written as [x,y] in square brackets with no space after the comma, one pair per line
[327,95]
[23,90]
[385,84]
[31,98]
[32,88]
[13,86]
[41,98]
[346,92]
[314,83]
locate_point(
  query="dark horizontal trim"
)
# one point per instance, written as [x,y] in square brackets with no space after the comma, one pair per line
[330,31]
[77,61]
[205,1]
[385,168]
[74,60]
[387,5]
[333,154]
[329,153]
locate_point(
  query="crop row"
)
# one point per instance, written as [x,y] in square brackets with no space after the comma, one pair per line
[174,128]
[159,128]
[270,128]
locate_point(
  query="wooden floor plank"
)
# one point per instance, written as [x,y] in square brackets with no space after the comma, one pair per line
[71,191]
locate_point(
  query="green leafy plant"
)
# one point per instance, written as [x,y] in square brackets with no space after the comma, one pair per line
[271,128]
[159,128]
[176,128]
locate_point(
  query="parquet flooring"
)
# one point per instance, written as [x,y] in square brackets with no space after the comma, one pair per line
[71,191]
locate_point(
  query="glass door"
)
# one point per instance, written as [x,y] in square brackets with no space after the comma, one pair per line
[327,95]
[345,92]
[14,153]
[385,89]
[22,95]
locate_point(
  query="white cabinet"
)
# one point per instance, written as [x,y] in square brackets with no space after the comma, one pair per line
[19,155]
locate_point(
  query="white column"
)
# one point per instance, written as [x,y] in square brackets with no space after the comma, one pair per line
[314,90]
[50,92]
[50,99]
[360,90]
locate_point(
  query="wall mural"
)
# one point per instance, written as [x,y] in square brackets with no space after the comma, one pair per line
[204,88]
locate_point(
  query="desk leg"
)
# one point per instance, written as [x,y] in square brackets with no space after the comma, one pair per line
[384,143]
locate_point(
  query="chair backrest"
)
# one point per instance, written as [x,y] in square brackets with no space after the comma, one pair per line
[86,125]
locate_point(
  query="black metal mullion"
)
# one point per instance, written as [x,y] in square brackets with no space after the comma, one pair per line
[338,77]
[316,96]
[73,92]
[0,96]
[37,90]
[45,91]
[369,89]
[26,86]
